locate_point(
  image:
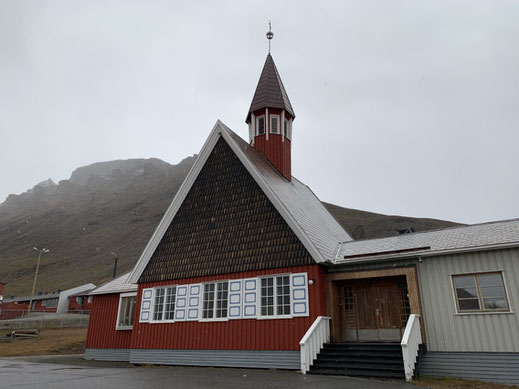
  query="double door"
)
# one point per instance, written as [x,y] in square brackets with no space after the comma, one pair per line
[374,309]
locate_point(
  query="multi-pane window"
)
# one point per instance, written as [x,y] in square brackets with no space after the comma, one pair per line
[126,311]
[275,296]
[283,295]
[158,307]
[169,307]
[274,124]
[267,296]
[216,295]
[164,304]
[261,125]
[480,292]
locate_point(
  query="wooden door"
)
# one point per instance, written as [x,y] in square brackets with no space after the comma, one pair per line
[372,310]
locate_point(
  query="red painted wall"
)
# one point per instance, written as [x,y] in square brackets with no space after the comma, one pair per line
[75,307]
[240,334]
[277,151]
[101,327]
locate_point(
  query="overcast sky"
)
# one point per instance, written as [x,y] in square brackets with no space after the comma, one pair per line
[403,107]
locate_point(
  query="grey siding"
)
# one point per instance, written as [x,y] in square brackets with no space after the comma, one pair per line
[448,331]
[495,367]
[108,354]
[222,358]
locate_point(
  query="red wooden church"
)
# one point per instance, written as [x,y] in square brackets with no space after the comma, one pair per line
[248,269]
[233,274]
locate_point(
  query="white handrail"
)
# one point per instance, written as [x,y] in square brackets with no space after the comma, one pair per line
[312,342]
[411,342]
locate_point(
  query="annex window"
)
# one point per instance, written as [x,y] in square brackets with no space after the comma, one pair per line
[164,303]
[275,296]
[480,292]
[216,295]
[126,311]
[274,124]
[260,125]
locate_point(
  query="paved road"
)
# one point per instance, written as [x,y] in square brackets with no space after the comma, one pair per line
[15,373]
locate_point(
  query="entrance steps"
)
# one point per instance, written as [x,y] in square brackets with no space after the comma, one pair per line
[375,360]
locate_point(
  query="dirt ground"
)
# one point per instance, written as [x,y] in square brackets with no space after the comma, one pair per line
[453,383]
[49,342]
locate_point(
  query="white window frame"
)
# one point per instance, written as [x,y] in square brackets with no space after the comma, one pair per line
[275,316]
[264,125]
[214,318]
[121,296]
[279,124]
[152,311]
[481,311]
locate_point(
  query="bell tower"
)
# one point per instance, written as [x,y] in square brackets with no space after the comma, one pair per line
[270,118]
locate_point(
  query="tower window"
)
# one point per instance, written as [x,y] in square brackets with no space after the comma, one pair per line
[261,125]
[274,124]
[287,128]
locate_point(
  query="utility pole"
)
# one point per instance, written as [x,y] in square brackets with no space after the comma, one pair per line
[115,265]
[42,251]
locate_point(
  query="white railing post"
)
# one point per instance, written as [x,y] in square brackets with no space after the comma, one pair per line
[312,342]
[410,345]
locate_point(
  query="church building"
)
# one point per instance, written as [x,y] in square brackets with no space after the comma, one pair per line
[247,268]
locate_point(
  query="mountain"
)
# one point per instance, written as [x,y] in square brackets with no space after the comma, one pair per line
[110,209]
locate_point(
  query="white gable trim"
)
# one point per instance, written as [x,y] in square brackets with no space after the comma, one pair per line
[218,130]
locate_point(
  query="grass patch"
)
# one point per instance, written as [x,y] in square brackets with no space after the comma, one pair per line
[458,383]
[49,342]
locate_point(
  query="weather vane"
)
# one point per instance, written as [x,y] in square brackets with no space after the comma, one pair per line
[270,34]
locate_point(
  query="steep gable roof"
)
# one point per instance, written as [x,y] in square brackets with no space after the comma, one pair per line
[319,232]
[270,92]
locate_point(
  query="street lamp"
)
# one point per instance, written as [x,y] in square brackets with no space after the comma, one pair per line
[42,251]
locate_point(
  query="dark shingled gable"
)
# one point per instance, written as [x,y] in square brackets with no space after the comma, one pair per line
[226,224]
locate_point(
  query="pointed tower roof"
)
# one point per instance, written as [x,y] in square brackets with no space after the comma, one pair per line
[270,92]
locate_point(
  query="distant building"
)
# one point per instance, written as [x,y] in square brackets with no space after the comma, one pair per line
[248,269]
[59,302]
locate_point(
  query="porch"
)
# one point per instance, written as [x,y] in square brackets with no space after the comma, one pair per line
[372,305]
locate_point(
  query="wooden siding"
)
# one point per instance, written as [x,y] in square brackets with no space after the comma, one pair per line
[276,151]
[448,331]
[101,327]
[241,334]
[226,224]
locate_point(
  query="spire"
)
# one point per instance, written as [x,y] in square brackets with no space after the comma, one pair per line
[270,118]
[270,92]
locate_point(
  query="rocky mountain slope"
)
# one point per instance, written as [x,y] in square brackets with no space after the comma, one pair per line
[112,208]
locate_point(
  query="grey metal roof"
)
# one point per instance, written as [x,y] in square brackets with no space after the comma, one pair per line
[270,92]
[117,285]
[37,297]
[485,235]
[307,210]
